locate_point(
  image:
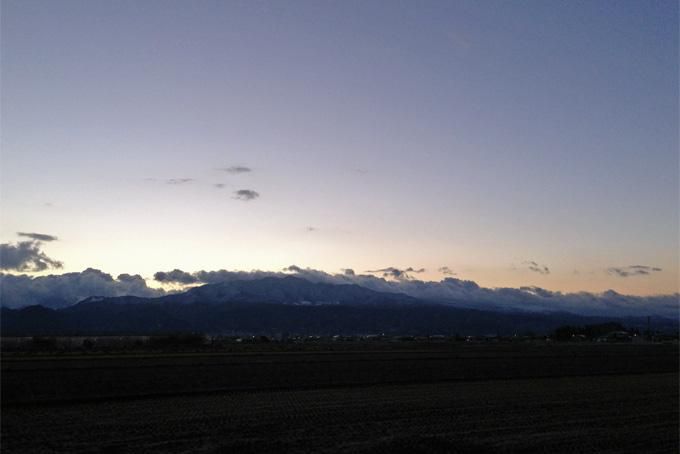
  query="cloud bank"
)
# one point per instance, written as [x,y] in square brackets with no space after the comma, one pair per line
[61,290]
[66,289]
[464,293]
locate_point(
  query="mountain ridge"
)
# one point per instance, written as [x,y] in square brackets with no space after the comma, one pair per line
[277,305]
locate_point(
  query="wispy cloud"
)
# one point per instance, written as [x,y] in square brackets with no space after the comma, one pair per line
[176,181]
[236,169]
[536,268]
[220,185]
[38,236]
[310,228]
[633,270]
[246,195]
[446,270]
[396,273]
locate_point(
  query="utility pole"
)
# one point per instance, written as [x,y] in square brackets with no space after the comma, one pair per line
[649,328]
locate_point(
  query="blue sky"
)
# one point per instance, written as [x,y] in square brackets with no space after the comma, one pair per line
[475,135]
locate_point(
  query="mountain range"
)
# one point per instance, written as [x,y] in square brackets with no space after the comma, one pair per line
[273,305]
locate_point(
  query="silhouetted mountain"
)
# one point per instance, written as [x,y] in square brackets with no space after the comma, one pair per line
[277,305]
[286,290]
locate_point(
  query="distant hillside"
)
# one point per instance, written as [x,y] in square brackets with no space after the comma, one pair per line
[288,305]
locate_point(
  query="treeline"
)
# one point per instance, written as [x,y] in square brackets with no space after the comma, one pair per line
[592,332]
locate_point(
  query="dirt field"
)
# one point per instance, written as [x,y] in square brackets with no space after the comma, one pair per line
[581,399]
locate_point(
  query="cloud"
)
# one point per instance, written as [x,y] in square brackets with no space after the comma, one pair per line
[446,270]
[633,270]
[293,268]
[177,181]
[67,289]
[219,185]
[396,273]
[25,256]
[311,229]
[175,277]
[468,294]
[38,236]
[246,194]
[536,268]
[63,290]
[236,169]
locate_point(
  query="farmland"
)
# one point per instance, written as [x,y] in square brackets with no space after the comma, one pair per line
[463,398]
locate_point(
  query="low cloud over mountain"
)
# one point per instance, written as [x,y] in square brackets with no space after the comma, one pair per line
[60,290]
[463,293]
[69,288]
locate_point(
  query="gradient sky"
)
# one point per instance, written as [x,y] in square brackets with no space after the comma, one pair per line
[473,135]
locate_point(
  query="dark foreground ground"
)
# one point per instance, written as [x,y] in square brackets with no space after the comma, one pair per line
[585,398]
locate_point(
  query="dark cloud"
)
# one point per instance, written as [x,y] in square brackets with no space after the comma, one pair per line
[293,269]
[62,290]
[396,273]
[213,277]
[237,169]
[25,256]
[246,194]
[38,236]
[413,270]
[537,268]
[446,270]
[177,181]
[633,270]
[175,277]
[348,272]
[219,185]
[125,277]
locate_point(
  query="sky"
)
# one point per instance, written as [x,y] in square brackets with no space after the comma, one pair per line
[508,143]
